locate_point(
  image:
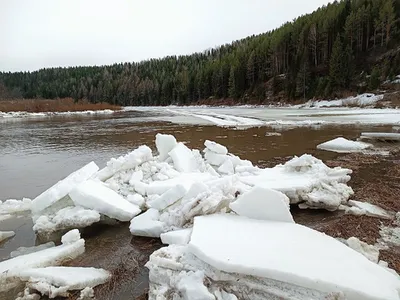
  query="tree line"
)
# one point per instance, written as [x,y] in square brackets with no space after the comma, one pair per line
[337,47]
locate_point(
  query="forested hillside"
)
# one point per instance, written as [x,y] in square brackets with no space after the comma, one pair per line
[336,48]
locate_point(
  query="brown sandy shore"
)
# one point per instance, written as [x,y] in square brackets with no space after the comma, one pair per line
[59,105]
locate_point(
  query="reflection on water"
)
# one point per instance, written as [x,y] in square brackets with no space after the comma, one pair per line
[36,153]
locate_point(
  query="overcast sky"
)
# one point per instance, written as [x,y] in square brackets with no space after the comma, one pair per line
[48,33]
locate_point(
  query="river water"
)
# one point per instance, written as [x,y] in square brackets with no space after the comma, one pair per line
[36,153]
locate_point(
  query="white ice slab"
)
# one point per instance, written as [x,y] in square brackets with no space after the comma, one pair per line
[342,145]
[183,158]
[147,224]
[62,188]
[164,143]
[95,195]
[262,248]
[49,257]
[215,147]
[177,237]
[168,198]
[5,235]
[263,204]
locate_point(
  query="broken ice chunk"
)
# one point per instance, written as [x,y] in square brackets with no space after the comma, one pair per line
[168,198]
[215,147]
[183,158]
[164,143]
[147,224]
[66,218]
[48,257]
[95,195]
[177,237]
[62,188]
[57,281]
[263,204]
[4,235]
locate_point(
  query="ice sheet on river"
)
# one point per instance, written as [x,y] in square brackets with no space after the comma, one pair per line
[253,259]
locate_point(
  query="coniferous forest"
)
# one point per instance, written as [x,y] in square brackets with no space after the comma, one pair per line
[348,45]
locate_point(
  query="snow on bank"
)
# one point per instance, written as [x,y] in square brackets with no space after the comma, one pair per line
[359,101]
[342,145]
[25,114]
[226,252]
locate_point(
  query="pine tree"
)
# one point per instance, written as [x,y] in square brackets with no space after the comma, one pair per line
[232,83]
[336,70]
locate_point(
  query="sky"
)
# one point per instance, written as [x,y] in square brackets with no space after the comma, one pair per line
[37,34]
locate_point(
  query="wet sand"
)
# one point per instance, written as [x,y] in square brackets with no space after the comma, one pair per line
[37,153]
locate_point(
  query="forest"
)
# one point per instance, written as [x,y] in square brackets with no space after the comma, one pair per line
[345,46]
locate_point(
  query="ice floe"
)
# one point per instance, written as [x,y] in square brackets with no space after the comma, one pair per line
[342,145]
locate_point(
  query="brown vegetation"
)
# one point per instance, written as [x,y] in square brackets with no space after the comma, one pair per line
[59,105]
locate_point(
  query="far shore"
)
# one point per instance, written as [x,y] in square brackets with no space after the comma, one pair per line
[57,105]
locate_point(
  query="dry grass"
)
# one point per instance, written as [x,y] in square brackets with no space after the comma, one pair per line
[59,105]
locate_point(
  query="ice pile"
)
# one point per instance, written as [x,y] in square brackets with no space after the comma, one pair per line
[36,266]
[244,258]
[342,145]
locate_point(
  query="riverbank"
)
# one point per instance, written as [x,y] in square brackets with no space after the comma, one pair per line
[53,106]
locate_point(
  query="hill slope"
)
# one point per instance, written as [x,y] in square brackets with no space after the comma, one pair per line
[313,56]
